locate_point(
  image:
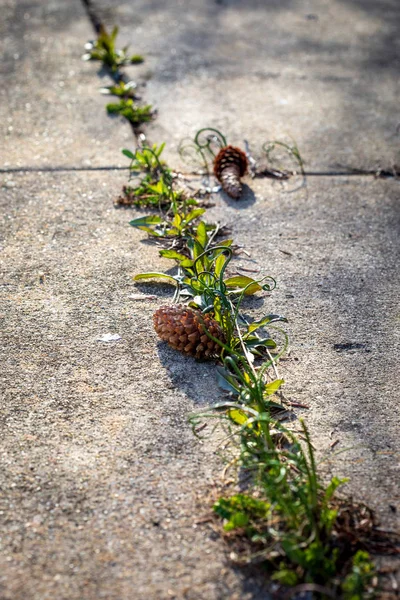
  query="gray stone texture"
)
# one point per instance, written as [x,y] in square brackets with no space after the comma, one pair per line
[103,487]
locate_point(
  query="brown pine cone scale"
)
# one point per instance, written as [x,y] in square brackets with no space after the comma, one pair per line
[185,330]
[230,165]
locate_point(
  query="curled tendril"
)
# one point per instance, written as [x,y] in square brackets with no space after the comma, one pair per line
[200,150]
[211,137]
[207,252]
[292,151]
[268,287]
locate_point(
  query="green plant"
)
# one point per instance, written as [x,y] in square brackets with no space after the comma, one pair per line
[288,515]
[201,278]
[127,108]
[154,187]
[294,537]
[121,89]
[148,159]
[176,228]
[357,584]
[103,49]
[292,532]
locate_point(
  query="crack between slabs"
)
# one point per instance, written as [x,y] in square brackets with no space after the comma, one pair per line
[92,15]
[117,76]
[379,174]
[60,169]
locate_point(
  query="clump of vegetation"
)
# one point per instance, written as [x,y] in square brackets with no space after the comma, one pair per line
[292,520]
[104,50]
[121,89]
[154,184]
[134,113]
[357,584]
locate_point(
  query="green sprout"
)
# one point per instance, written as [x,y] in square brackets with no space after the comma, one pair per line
[154,187]
[103,49]
[132,112]
[121,89]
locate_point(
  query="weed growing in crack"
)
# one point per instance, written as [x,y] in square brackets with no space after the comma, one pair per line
[288,518]
[135,114]
[291,520]
[155,187]
[121,89]
[360,577]
[104,50]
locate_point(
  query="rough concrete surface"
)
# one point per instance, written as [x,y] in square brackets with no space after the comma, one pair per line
[103,487]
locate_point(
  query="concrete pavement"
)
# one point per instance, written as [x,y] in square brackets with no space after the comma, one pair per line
[102,481]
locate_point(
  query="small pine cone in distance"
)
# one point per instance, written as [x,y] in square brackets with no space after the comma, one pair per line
[185,330]
[230,165]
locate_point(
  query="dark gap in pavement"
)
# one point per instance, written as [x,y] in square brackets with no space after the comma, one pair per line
[92,15]
[379,174]
[117,76]
[59,169]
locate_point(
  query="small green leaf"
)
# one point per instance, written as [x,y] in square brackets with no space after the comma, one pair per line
[158,149]
[256,342]
[219,263]
[241,281]
[142,276]
[226,243]
[238,519]
[150,231]
[173,255]
[113,35]
[128,153]
[273,387]
[238,416]
[197,212]
[332,487]
[149,220]
[197,248]
[226,381]
[201,234]
[177,220]
[136,59]
[187,264]
[285,576]
[265,321]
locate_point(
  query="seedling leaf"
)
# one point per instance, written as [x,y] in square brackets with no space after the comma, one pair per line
[240,282]
[142,276]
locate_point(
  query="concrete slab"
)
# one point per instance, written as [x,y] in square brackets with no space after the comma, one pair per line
[101,475]
[51,111]
[333,249]
[102,480]
[323,72]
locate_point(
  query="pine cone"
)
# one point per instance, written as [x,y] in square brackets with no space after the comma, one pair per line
[230,165]
[184,329]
